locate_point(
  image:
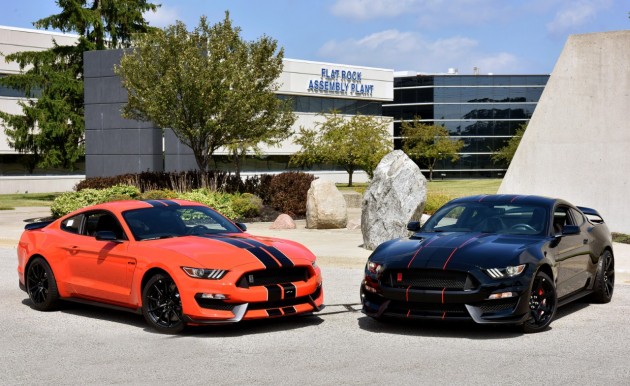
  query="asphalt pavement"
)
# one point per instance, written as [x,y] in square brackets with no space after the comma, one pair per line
[339,246]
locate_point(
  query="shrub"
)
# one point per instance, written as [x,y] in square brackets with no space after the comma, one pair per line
[71,201]
[162,194]
[288,192]
[247,205]
[221,202]
[435,201]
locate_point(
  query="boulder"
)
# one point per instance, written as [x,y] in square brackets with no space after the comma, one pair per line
[325,206]
[395,196]
[283,221]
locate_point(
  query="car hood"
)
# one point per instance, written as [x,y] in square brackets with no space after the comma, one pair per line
[227,251]
[457,251]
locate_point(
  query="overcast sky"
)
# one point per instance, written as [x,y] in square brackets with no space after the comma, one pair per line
[498,36]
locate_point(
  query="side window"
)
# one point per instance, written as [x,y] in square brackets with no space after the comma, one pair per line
[103,221]
[578,218]
[560,219]
[72,224]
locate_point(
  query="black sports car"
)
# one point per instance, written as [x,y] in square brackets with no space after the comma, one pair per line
[493,259]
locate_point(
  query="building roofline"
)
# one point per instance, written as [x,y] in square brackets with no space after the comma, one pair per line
[37,31]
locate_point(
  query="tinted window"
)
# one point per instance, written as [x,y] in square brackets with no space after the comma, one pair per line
[72,224]
[174,221]
[489,218]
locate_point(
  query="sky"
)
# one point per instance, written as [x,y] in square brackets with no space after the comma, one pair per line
[428,36]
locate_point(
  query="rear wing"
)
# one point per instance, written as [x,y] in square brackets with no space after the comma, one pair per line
[592,215]
[36,225]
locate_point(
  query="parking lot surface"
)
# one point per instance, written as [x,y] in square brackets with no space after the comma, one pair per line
[586,344]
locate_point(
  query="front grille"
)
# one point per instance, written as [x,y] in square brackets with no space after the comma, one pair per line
[428,279]
[428,309]
[273,276]
[498,305]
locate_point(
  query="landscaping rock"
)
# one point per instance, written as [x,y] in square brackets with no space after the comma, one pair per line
[395,196]
[325,206]
[284,221]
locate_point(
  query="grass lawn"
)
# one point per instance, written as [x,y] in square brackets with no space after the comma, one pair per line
[450,188]
[460,188]
[11,201]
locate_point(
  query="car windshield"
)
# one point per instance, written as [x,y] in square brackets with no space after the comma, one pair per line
[174,221]
[489,218]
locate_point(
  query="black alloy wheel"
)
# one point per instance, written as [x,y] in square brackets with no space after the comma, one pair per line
[543,302]
[604,279]
[41,285]
[161,304]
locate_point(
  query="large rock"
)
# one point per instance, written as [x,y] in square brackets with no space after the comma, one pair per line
[325,206]
[395,196]
[283,221]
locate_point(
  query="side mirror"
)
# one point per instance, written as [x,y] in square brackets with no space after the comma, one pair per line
[107,236]
[241,226]
[570,230]
[413,226]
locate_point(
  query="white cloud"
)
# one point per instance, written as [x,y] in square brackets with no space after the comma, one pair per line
[573,15]
[428,13]
[162,17]
[410,51]
[370,9]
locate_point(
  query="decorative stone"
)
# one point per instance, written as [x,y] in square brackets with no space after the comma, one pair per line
[325,206]
[395,196]
[283,221]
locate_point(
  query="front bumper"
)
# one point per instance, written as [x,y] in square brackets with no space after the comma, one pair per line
[255,302]
[382,299]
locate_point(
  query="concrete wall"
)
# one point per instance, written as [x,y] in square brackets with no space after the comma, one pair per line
[38,184]
[578,141]
[114,145]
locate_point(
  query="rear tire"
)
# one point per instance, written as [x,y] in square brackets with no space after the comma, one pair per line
[161,305]
[604,279]
[41,285]
[543,302]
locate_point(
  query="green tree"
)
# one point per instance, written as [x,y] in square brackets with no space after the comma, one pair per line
[212,88]
[429,143]
[356,143]
[506,153]
[51,127]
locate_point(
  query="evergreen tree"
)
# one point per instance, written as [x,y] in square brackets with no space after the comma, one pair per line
[51,127]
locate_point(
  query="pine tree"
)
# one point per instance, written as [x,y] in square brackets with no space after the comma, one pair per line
[50,129]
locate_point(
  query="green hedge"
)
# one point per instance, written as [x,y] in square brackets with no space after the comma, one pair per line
[233,206]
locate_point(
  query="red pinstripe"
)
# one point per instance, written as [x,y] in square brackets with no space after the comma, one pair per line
[419,249]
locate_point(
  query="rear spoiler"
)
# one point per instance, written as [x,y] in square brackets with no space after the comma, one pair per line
[36,225]
[592,215]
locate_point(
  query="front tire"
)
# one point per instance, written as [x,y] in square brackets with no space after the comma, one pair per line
[41,285]
[161,305]
[543,302]
[604,279]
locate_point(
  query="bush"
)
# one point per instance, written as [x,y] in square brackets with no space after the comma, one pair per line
[221,202]
[71,201]
[162,194]
[247,205]
[288,192]
[435,201]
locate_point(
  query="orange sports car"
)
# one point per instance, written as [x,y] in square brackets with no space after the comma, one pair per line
[176,262]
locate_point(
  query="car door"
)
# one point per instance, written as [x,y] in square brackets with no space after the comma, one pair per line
[100,270]
[571,252]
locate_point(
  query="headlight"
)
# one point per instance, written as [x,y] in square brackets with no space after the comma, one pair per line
[499,273]
[203,273]
[375,268]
